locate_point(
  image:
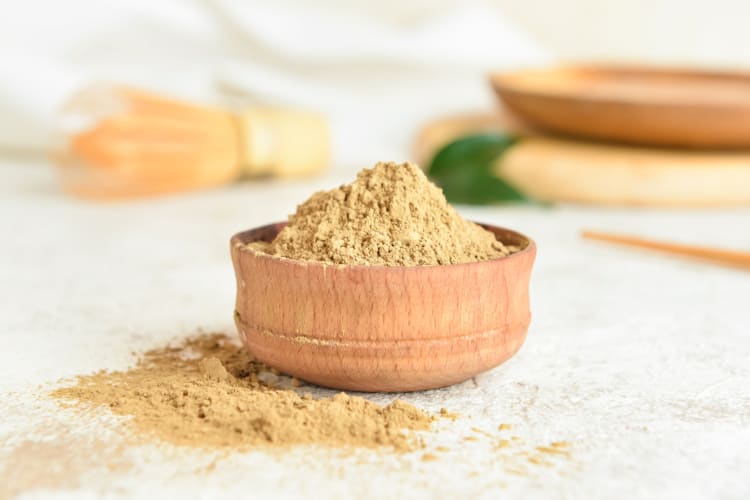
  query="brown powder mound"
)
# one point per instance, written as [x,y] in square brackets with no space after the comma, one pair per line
[390,215]
[208,392]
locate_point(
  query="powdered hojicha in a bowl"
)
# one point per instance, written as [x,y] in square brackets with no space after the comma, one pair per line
[390,215]
[380,285]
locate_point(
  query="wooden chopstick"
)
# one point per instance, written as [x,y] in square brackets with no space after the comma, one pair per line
[720,256]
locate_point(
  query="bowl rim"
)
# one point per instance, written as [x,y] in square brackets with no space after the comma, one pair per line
[239,242]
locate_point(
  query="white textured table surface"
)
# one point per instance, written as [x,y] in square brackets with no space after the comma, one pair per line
[640,362]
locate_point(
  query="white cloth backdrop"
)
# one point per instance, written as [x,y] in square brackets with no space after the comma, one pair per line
[376,69]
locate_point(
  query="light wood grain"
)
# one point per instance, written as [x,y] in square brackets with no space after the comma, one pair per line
[732,258]
[559,170]
[376,328]
[637,105]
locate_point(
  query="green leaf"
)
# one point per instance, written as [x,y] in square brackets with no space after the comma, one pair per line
[463,169]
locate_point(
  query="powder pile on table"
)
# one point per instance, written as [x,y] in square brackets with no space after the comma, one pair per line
[390,215]
[209,392]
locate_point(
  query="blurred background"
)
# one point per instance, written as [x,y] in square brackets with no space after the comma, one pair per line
[374,70]
[143,99]
[693,32]
[377,69]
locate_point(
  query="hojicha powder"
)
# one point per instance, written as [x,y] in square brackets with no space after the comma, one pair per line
[390,215]
[208,392]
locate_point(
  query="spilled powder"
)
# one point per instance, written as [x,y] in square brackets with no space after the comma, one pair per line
[208,392]
[390,215]
[58,463]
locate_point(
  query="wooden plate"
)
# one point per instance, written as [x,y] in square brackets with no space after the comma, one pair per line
[646,106]
[562,170]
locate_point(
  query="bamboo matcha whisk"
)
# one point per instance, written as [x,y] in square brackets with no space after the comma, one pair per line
[122,142]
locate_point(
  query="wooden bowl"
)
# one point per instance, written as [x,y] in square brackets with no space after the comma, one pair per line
[647,106]
[379,328]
